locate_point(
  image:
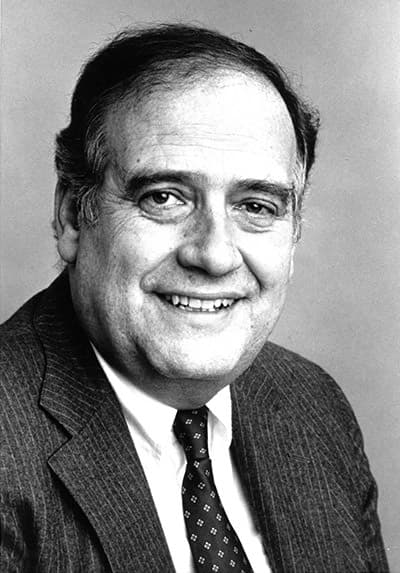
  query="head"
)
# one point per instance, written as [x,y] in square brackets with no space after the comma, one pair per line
[181,178]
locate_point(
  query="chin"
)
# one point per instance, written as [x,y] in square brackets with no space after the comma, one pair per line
[200,358]
[193,368]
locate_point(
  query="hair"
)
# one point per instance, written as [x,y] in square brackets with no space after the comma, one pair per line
[137,62]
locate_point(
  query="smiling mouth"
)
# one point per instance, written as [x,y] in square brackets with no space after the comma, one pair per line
[191,304]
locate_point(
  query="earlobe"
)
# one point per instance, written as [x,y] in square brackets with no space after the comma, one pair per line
[65,225]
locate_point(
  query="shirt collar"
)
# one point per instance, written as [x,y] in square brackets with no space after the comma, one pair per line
[220,408]
[140,409]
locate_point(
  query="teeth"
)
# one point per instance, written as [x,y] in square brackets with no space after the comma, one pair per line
[197,304]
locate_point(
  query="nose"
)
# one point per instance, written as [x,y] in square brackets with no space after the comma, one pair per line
[209,245]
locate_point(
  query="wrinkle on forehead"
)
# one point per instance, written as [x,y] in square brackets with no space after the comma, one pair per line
[232,112]
[201,138]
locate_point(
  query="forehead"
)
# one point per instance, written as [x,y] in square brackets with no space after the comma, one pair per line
[231,125]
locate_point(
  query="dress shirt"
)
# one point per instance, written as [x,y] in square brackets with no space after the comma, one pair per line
[150,425]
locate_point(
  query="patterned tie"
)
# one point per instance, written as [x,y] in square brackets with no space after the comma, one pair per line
[213,541]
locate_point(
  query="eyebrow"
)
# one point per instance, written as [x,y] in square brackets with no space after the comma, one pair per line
[284,192]
[145,178]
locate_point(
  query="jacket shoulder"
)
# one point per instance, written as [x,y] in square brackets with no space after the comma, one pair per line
[18,333]
[290,359]
[305,385]
[21,353]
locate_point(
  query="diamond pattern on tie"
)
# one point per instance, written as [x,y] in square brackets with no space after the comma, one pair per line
[213,541]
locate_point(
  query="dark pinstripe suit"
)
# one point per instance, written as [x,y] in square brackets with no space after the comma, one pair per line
[73,493]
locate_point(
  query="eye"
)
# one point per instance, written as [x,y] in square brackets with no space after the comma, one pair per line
[261,209]
[160,198]
[157,201]
[256,215]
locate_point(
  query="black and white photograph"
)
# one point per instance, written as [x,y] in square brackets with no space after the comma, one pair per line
[199,286]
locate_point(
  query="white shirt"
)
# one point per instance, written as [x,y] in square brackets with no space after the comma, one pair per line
[164,465]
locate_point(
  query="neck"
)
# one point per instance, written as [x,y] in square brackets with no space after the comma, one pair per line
[184,394]
[181,394]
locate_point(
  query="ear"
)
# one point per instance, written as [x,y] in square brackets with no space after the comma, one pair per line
[66,225]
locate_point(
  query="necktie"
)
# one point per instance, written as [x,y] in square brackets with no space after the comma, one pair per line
[213,541]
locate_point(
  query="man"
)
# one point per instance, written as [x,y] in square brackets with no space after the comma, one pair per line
[178,205]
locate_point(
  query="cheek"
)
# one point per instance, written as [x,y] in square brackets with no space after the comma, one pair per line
[269,258]
[139,247]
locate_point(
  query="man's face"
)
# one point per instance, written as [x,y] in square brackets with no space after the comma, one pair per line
[186,270]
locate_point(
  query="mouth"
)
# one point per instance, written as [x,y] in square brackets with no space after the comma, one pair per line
[191,304]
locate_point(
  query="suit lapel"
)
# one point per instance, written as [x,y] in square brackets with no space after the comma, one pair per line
[298,497]
[97,463]
[103,473]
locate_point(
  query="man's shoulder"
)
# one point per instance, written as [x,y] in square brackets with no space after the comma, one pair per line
[302,384]
[22,360]
[295,369]
[17,334]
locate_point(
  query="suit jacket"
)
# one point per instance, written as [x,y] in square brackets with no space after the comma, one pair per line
[74,497]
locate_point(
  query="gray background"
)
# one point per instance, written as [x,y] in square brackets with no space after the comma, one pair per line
[343,306]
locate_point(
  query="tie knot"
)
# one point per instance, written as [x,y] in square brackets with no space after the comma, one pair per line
[190,428]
